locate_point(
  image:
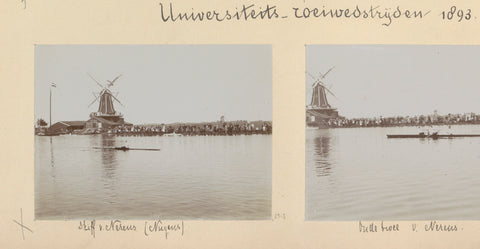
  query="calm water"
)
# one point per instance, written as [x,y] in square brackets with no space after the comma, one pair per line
[221,177]
[359,174]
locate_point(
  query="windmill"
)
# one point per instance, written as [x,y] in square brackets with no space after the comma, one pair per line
[319,94]
[320,111]
[106,98]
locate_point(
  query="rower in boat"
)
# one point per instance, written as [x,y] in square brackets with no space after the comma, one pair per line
[124,148]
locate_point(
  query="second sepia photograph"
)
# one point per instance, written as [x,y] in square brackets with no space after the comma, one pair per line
[392,132]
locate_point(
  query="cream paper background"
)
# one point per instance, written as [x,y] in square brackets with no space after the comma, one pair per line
[139,22]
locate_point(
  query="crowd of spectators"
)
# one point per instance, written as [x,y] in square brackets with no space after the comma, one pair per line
[419,120]
[197,129]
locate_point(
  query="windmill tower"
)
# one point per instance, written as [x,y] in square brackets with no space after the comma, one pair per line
[106,116]
[319,112]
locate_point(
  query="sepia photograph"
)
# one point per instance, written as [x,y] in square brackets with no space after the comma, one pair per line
[153,132]
[392,132]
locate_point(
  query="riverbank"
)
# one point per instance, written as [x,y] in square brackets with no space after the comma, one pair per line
[229,128]
[420,121]
[394,125]
[192,133]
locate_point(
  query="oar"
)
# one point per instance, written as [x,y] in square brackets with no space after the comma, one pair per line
[142,149]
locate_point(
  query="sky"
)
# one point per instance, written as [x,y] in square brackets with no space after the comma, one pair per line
[392,80]
[159,83]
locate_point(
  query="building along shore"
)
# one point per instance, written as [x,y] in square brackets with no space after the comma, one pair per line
[217,128]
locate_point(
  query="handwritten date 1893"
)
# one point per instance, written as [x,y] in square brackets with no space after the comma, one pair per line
[457,14]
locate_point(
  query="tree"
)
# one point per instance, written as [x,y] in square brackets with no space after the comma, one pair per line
[41,122]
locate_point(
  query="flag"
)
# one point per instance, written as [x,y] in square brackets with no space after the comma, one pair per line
[54,85]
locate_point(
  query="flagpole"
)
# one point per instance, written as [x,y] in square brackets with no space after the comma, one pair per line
[50,106]
[51,85]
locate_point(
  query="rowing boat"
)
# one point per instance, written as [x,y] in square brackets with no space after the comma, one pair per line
[434,135]
[124,148]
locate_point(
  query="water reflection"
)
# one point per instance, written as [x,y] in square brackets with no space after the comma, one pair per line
[109,163]
[428,141]
[321,154]
[52,158]
[109,160]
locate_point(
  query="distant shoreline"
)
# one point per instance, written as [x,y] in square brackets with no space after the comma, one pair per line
[393,125]
[398,121]
[217,128]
